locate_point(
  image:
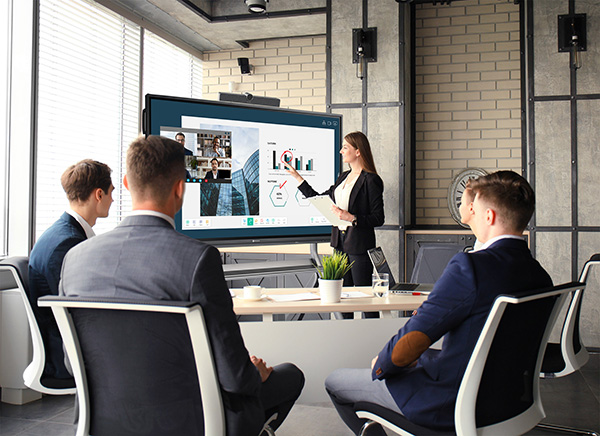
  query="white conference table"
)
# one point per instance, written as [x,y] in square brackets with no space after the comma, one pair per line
[318,347]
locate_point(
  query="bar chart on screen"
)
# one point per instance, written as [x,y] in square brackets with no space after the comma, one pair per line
[298,161]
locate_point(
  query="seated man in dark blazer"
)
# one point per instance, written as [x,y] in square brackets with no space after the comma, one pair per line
[89,190]
[146,258]
[214,172]
[422,384]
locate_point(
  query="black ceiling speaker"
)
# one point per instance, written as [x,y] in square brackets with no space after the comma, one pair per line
[257,6]
[244,64]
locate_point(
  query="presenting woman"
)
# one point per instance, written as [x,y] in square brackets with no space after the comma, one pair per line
[358,198]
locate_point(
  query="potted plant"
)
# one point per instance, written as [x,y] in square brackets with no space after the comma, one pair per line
[333,270]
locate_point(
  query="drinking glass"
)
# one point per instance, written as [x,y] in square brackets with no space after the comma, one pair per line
[381,285]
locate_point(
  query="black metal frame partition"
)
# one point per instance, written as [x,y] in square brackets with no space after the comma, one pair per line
[365,105]
[529,143]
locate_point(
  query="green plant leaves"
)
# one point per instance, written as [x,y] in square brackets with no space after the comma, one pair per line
[334,267]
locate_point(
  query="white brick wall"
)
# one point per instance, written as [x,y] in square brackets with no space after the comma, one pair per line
[467,96]
[291,69]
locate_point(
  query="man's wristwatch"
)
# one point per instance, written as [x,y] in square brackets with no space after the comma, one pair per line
[354,222]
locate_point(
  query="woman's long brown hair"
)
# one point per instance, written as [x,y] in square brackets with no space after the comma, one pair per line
[359,141]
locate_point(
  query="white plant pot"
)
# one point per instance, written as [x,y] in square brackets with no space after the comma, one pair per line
[330,290]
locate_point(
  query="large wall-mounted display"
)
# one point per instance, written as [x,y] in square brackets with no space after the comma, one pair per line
[237,190]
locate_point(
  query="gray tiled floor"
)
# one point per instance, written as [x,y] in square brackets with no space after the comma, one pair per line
[573,400]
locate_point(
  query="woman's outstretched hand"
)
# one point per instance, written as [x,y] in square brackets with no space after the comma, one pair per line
[293,172]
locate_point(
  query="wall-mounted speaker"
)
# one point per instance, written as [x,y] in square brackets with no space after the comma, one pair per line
[244,64]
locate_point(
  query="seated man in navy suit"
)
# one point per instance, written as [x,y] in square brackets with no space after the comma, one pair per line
[422,384]
[89,190]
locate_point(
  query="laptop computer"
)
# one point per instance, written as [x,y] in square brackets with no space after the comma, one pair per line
[381,266]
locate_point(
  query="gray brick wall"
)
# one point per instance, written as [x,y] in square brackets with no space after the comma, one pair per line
[468,110]
[291,69]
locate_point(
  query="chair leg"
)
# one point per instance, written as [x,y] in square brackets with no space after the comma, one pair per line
[566,429]
[268,430]
[366,425]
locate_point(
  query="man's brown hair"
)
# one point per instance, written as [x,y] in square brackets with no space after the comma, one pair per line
[81,179]
[509,194]
[154,164]
[468,193]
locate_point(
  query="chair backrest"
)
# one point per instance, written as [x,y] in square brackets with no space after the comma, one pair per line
[141,367]
[431,261]
[33,374]
[499,393]
[573,352]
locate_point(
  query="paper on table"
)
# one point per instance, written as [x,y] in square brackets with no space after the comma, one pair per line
[294,297]
[323,203]
[355,294]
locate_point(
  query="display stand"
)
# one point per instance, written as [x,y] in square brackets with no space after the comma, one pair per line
[263,269]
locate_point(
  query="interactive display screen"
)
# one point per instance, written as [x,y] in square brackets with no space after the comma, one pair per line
[237,189]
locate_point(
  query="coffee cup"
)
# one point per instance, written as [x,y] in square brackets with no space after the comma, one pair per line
[252,292]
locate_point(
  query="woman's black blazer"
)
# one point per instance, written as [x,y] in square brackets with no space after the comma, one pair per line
[366,203]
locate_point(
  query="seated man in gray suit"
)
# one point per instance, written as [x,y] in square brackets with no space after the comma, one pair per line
[145,258]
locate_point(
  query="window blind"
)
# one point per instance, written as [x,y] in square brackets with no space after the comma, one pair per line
[169,70]
[88,87]
[89,96]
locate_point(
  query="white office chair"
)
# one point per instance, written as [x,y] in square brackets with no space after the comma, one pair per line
[158,379]
[33,374]
[569,355]
[499,393]
[90,321]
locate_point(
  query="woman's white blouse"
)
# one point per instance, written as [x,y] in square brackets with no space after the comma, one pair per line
[342,197]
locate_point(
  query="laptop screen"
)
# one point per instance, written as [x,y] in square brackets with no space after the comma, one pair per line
[380,263]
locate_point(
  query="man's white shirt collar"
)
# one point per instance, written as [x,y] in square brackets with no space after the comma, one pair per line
[497,238]
[89,232]
[154,213]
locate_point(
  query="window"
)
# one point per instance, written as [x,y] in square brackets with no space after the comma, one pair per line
[168,70]
[89,96]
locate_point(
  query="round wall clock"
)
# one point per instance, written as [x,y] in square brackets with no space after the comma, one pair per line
[457,188]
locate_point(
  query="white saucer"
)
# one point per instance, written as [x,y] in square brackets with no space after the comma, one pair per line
[262,297]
